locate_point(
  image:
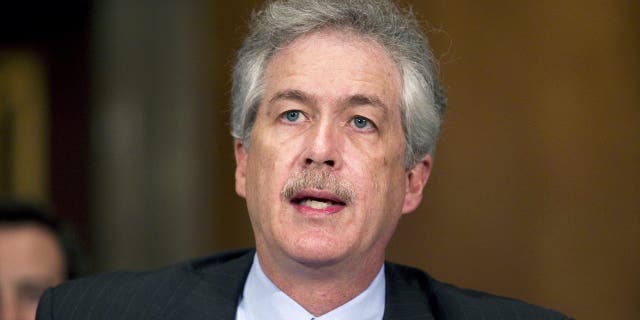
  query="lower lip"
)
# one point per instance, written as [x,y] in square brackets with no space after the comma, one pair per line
[305,210]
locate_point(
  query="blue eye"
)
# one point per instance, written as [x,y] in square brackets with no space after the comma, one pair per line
[292,115]
[362,122]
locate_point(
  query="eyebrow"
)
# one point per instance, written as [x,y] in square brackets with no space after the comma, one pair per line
[363,100]
[351,101]
[34,286]
[294,95]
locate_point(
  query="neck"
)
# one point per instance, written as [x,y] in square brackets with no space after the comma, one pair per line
[320,289]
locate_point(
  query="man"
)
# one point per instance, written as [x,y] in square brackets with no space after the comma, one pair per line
[32,259]
[336,111]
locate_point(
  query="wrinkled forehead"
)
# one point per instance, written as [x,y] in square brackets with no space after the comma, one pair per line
[331,56]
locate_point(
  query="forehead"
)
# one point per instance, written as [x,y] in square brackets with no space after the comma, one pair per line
[29,251]
[334,64]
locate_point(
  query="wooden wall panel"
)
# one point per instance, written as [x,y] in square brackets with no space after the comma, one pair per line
[535,189]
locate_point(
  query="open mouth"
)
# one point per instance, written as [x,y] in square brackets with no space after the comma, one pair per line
[316,203]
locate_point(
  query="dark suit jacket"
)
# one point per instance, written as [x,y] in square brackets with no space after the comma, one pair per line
[210,288]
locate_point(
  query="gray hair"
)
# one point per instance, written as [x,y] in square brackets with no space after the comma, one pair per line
[281,22]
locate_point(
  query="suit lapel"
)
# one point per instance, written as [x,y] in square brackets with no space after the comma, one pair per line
[217,287]
[214,286]
[408,294]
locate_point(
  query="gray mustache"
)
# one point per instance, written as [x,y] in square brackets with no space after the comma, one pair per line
[320,180]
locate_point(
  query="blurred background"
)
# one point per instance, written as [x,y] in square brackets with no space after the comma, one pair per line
[114,113]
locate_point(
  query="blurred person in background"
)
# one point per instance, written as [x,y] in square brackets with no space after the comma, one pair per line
[33,257]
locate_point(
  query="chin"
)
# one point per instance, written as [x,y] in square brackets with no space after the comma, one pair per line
[317,252]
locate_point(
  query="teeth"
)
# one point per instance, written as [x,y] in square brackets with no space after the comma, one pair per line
[315,204]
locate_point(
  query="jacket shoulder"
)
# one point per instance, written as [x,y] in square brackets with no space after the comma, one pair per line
[451,302]
[130,295]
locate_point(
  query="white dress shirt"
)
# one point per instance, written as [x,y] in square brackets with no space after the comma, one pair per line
[261,300]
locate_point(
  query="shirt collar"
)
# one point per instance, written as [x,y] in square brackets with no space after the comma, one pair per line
[263,300]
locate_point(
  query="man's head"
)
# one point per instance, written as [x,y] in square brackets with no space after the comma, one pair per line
[336,111]
[281,22]
[32,259]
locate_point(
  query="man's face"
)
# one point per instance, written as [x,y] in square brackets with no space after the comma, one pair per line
[31,260]
[323,177]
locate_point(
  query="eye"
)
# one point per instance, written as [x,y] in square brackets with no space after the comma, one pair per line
[30,293]
[362,123]
[292,115]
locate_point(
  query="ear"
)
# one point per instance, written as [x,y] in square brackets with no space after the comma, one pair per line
[416,179]
[241,167]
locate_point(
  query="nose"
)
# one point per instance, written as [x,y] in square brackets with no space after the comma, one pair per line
[324,144]
[329,163]
[8,310]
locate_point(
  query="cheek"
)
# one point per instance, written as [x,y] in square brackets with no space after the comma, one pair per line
[259,164]
[267,167]
[384,176]
[371,161]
